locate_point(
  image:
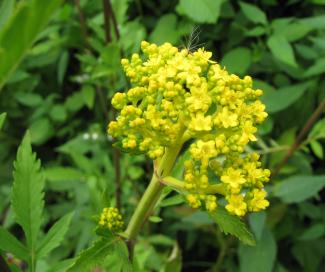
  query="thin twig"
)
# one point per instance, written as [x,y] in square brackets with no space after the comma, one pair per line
[102,102]
[107,14]
[82,20]
[312,119]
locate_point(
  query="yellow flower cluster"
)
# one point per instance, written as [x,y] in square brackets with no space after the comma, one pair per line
[111,219]
[180,96]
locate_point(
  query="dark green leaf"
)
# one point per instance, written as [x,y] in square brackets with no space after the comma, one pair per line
[2,119]
[312,233]
[98,252]
[298,188]
[261,257]
[257,223]
[54,236]
[231,224]
[27,193]
[9,243]
[282,98]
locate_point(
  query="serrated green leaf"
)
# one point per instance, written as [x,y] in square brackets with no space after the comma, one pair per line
[9,243]
[204,11]
[298,188]
[20,32]
[2,119]
[282,50]
[54,236]
[231,224]
[94,256]
[253,13]
[123,255]
[258,258]
[27,192]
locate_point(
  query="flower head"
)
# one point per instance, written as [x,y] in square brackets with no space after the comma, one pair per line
[111,218]
[180,96]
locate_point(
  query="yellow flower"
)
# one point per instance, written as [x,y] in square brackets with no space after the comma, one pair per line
[257,201]
[200,123]
[226,119]
[233,178]
[236,205]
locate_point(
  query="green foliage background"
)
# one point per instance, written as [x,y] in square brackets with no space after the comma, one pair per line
[59,67]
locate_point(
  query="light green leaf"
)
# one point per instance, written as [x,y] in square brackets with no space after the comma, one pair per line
[58,173]
[54,236]
[290,29]
[155,219]
[9,243]
[258,258]
[28,99]
[41,130]
[317,149]
[172,201]
[27,193]
[62,66]
[253,13]
[231,224]
[282,98]
[58,113]
[95,255]
[317,22]
[316,69]
[204,11]
[238,60]
[2,119]
[88,94]
[165,30]
[6,9]
[298,188]
[282,50]
[256,31]
[20,32]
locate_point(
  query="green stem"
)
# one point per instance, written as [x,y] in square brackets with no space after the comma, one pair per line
[152,193]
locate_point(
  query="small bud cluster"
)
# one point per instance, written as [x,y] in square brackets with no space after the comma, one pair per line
[181,94]
[111,219]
